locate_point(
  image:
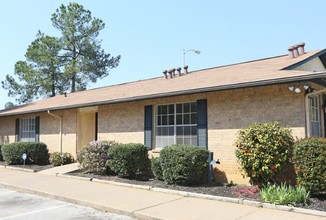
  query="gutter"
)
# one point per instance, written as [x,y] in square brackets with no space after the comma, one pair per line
[307,96]
[60,132]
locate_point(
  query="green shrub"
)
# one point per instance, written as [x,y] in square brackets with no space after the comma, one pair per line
[262,150]
[93,157]
[157,168]
[309,159]
[58,159]
[184,164]
[37,153]
[1,158]
[285,195]
[130,161]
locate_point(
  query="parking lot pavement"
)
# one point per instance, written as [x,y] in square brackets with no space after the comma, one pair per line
[16,205]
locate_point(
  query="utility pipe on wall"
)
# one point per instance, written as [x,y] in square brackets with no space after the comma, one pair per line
[60,132]
[308,109]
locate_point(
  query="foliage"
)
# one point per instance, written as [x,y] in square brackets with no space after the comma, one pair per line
[58,159]
[1,158]
[71,61]
[285,195]
[309,159]
[184,164]
[157,168]
[262,150]
[84,60]
[40,75]
[9,105]
[93,157]
[37,153]
[130,161]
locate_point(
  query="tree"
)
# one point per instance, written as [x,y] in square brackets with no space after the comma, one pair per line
[84,60]
[55,65]
[9,105]
[39,75]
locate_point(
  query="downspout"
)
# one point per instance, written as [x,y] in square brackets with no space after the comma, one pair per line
[308,109]
[60,132]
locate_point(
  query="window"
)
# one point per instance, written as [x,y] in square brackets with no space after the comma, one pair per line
[176,124]
[314,116]
[28,128]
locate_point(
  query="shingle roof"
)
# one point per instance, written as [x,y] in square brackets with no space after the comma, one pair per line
[254,73]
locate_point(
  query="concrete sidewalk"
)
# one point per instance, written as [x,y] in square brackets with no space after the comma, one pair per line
[136,202]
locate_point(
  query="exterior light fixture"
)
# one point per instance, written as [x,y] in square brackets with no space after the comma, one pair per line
[306,87]
[297,90]
[291,88]
[186,51]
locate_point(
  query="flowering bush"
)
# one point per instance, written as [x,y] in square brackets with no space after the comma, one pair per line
[262,150]
[93,157]
[58,159]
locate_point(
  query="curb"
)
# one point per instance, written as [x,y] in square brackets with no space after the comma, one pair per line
[18,168]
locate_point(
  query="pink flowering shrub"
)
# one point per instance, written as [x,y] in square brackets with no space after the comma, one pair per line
[93,157]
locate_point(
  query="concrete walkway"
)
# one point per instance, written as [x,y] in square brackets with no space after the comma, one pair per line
[136,202]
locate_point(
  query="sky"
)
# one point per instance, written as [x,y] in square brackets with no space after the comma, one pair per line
[151,35]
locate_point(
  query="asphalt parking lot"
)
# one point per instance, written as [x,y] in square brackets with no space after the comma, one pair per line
[16,205]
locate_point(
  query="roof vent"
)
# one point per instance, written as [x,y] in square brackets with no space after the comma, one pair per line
[171,73]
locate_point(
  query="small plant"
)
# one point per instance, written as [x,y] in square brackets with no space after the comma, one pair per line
[262,150]
[130,161]
[93,157]
[285,195]
[309,160]
[251,192]
[184,164]
[58,159]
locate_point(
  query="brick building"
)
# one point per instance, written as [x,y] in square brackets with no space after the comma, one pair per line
[205,108]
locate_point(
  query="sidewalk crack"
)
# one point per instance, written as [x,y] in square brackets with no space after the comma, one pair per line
[162,203]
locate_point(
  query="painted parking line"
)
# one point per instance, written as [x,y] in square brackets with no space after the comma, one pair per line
[36,211]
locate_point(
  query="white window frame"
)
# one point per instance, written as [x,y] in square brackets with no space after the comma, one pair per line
[27,129]
[172,139]
[315,117]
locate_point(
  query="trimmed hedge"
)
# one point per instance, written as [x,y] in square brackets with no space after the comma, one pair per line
[184,164]
[93,157]
[58,159]
[157,168]
[37,153]
[309,159]
[1,158]
[130,161]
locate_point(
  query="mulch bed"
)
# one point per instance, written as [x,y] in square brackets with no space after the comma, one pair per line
[232,191]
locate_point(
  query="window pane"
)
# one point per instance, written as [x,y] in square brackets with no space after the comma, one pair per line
[186,141]
[171,109]
[186,130]
[159,120]
[186,119]
[179,131]
[164,120]
[179,108]
[164,109]
[165,131]
[193,131]
[159,110]
[171,131]
[179,119]
[186,107]
[194,107]
[194,118]
[179,140]
[171,119]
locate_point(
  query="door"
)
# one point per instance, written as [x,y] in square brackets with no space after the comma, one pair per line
[87,127]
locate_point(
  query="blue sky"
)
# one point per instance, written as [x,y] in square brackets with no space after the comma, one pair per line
[151,35]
